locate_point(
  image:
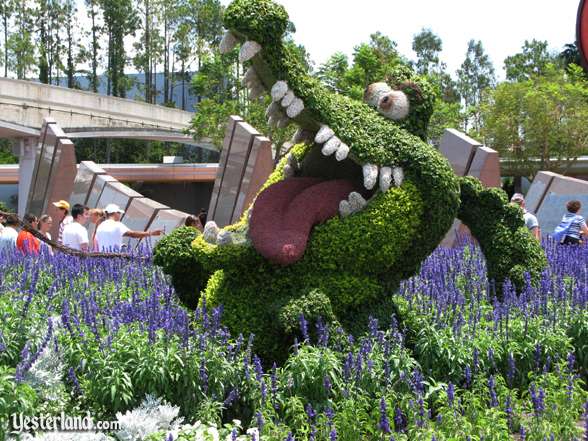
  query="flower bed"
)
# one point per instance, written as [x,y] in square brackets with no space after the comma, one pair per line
[109,336]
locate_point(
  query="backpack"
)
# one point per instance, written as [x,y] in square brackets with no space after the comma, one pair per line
[562,229]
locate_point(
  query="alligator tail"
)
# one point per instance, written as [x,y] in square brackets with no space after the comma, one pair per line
[510,250]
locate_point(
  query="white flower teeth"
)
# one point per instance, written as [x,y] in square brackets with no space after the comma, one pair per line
[295,108]
[370,175]
[342,152]
[324,134]
[356,201]
[398,175]
[279,90]
[344,208]
[224,237]
[288,98]
[331,146]
[228,42]
[210,232]
[248,51]
[385,178]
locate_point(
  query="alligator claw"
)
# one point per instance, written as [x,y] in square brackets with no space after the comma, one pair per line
[248,51]
[324,134]
[228,42]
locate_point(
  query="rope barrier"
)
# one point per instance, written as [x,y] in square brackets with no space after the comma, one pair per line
[67,250]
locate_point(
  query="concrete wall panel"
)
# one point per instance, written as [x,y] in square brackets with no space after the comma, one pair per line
[87,172]
[553,206]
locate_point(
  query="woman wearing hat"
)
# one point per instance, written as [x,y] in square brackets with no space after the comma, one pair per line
[63,207]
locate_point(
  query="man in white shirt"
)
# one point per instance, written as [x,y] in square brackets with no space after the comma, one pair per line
[110,232]
[530,219]
[75,234]
[9,234]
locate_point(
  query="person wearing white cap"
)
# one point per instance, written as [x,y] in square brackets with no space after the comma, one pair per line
[530,219]
[110,233]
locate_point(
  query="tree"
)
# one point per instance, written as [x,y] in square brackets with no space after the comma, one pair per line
[475,75]
[72,42]
[540,123]
[532,60]
[220,79]
[92,53]
[427,47]
[20,44]
[120,20]
[332,72]
[6,11]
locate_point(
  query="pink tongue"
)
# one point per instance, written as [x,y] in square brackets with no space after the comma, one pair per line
[284,214]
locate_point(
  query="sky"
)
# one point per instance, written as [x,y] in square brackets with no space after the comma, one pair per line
[327,26]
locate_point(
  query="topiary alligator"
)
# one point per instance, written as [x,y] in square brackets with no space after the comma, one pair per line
[358,204]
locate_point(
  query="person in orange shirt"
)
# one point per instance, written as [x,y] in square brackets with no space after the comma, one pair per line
[25,241]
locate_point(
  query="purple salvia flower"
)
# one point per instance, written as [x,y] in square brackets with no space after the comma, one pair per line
[231,398]
[333,435]
[450,394]
[258,368]
[327,385]
[310,413]
[234,434]
[330,415]
[571,360]
[400,421]
[508,409]
[468,376]
[290,437]
[384,425]
[491,389]
[74,380]
[203,376]
[260,421]
[304,327]
[511,369]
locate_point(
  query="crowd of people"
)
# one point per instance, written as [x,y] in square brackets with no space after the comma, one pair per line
[107,235]
[109,232]
[572,229]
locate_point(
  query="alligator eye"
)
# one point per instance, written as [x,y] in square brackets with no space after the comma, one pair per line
[394,105]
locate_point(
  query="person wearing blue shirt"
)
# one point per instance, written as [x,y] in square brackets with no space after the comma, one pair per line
[577,227]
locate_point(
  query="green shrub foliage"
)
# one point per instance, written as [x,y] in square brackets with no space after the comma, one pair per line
[351,265]
[176,256]
[509,249]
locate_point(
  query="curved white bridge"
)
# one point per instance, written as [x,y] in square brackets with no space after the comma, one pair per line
[25,104]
